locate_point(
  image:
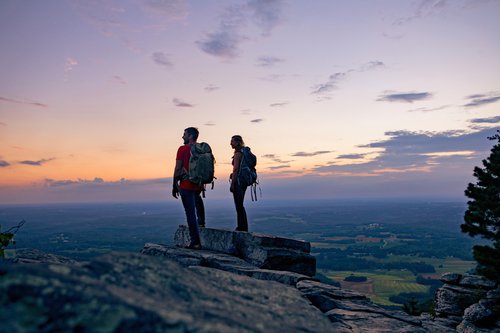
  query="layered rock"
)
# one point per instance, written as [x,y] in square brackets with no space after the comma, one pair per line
[170,288]
[126,292]
[263,251]
[469,302]
[347,310]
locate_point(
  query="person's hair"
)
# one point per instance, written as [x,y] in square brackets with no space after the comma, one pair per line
[193,131]
[239,141]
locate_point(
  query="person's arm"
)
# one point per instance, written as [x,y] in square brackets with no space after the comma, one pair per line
[236,170]
[177,178]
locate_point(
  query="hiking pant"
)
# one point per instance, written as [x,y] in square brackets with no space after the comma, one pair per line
[239,197]
[193,206]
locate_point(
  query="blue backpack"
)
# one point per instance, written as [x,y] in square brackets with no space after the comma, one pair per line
[247,175]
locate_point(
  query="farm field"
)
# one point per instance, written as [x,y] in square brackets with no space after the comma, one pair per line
[381,284]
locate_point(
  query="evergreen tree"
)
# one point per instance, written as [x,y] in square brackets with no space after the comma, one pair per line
[482,217]
[5,239]
[411,307]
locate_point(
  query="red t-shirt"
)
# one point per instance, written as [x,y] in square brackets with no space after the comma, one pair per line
[183,154]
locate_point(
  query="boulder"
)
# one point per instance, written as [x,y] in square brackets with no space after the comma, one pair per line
[350,311]
[483,316]
[263,251]
[469,303]
[452,300]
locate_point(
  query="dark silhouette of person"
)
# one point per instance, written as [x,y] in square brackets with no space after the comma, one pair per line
[236,188]
[189,192]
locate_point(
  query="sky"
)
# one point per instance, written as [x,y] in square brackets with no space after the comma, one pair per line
[338,99]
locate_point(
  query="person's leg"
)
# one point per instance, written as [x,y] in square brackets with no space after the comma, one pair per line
[189,203]
[239,198]
[200,210]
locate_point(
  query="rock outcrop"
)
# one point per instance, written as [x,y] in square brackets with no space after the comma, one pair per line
[226,289]
[469,303]
[260,250]
[348,311]
[127,292]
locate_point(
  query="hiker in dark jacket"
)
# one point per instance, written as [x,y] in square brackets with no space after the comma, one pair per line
[236,188]
[190,192]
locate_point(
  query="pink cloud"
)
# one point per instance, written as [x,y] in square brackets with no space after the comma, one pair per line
[15,101]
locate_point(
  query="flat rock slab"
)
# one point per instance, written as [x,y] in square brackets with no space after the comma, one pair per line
[263,251]
[225,262]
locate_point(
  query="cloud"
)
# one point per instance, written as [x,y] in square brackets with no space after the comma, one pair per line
[210,123]
[369,66]
[101,182]
[266,14]
[70,64]
[423,9]
[276,105]
[351,156]
[4,164]
[275,158]
[430,109]
[36,163]
[258,120]
[305,154]
[277,167]
[2,124]
[127,21]
[225,41]
[419,152]
[491,120]
[119,79]
[482,99]
[79,182]
[325,88]
[268,61]
[430,8]
[211,87]
[15,101]
[221,44]
[180,103]
[172,9]
[330,85]
[408,97]
[161,59]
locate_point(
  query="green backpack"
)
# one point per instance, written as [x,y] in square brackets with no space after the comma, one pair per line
[201,164]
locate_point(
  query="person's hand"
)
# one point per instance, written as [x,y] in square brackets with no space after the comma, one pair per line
[175,192]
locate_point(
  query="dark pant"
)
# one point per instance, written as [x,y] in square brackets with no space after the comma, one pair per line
[193,206]
[239,197]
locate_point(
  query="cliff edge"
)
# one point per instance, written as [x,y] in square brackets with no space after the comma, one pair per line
[239,282]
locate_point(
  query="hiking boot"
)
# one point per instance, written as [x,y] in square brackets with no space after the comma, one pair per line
[194,246]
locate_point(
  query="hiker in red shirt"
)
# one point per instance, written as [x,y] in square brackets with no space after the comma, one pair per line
[189,192]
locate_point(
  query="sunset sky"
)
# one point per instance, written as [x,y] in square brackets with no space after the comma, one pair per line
[338,99]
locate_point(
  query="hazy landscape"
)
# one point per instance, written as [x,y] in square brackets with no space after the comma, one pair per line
[391,251]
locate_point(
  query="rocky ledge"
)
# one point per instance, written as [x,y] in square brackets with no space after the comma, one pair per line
[263,251]
[468,302]
[170,288]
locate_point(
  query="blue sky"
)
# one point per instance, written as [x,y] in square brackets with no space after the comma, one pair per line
[338,99]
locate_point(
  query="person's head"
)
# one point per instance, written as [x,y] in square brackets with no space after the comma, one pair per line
[237,142]
[190,135]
